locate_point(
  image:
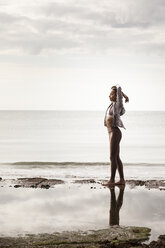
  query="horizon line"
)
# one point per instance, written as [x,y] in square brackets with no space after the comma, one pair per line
[74,110]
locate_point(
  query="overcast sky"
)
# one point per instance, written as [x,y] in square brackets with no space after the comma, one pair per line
[67,54]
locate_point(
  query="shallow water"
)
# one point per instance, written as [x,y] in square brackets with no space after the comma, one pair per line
[74,170]
[65,136]
[80,207]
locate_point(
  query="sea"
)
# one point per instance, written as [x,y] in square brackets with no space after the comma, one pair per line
[73,145]
[79,137]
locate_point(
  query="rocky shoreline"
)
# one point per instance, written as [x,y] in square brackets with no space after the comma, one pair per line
[114,237]
[40,182]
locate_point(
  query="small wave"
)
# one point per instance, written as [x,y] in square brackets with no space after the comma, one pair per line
[68,163]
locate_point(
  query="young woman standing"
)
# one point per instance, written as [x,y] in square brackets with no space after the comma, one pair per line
[112,121]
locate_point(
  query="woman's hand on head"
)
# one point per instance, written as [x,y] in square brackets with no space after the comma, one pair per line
[126,97]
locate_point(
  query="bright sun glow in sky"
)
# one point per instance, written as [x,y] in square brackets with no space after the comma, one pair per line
[67,54]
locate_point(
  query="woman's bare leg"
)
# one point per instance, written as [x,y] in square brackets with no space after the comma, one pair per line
[120,168]
[120,165]
[114,138]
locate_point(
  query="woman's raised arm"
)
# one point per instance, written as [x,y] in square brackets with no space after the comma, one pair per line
[126,97]
[119,97]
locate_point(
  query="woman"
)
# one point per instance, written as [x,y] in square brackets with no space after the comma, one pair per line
[112,121]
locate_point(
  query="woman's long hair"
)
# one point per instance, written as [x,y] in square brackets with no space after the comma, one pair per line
[115,89]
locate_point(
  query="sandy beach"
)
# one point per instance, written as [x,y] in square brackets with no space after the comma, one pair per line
[50,208]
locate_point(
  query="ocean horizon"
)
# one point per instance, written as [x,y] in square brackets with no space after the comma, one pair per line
[79,137]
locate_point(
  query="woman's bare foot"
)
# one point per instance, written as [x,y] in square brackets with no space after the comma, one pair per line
[109,183]
[120,182]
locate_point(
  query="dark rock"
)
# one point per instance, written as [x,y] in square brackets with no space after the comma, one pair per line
[162,237]
[85,181]
[37,182]
[116,237]
[17,186]
[149,184]
[32,186]
[47,186]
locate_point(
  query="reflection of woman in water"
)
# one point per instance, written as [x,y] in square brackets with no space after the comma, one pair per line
[115,205]
[112,121]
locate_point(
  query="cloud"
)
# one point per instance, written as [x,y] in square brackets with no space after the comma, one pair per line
[31,36]
[82,26]
[141,13]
